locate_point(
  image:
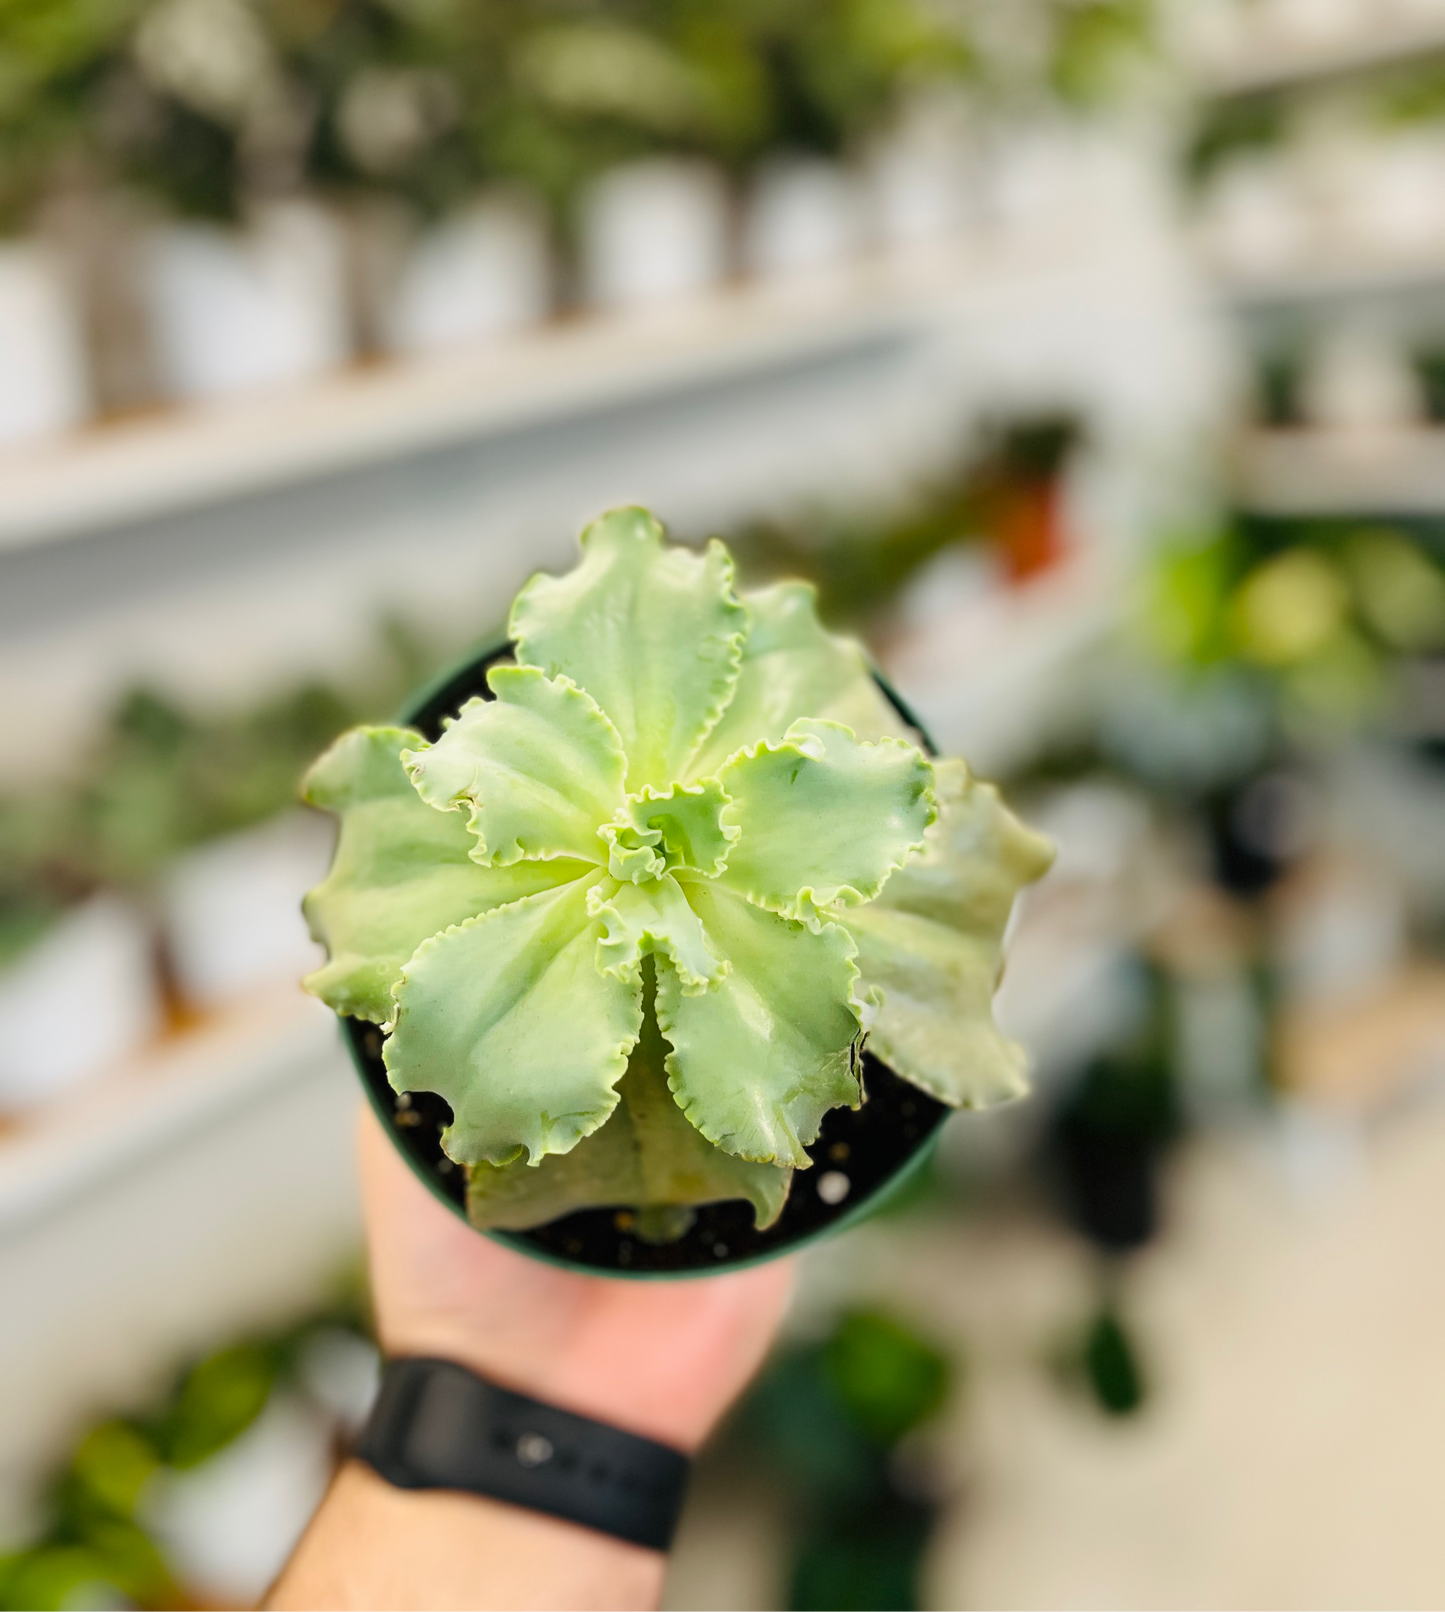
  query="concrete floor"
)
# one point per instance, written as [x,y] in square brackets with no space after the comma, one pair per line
[1292,1454]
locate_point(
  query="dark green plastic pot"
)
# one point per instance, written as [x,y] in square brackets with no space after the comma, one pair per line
[861,1159]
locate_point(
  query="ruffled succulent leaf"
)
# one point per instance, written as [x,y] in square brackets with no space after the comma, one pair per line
[509,1019]
[653,634]
[763,1054]
[539,767]
[639,920]
[634,855]
[401,872]
[646,1156]
[688,818]
[932,943]
[823,819]
[792,668]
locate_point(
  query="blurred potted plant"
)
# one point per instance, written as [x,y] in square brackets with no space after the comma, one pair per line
[246,285]
[77,982]
[162,1508]
[195,815]
[630,122]
[612,922]
[1023,492]
[844,1419]
[44,385]
[401,97]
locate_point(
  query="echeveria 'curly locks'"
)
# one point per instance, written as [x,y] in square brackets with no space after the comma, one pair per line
[632,916]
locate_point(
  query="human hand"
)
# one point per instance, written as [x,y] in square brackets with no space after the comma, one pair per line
[663,1359]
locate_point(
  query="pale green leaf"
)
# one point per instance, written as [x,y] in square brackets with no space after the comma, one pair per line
[507,1018]
[539,766]
[653,634]
[647,1156]
[823,818]
[933,943]
[639,919]
[633,854]
[761,1056]
[792,668]
[688,818]
[401,872]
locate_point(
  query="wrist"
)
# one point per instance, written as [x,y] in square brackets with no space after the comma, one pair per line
[573,1383]
[374,1545]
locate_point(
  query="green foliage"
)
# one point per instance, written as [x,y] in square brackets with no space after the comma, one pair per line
[218,1400]
[827,1417]
[829,1412]
[889,1380]
[1095,43]
[93,1547]
[209,103]
[52,56]
[1111,1366]
[859,563]
[677,812]
[1231,128]
[166,778]
[1317,612]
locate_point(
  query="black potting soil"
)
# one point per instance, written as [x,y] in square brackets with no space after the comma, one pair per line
[856,1154]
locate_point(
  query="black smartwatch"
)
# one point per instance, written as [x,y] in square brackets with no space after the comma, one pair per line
[436,1425]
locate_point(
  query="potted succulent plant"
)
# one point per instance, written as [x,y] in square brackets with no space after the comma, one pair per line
[634,914]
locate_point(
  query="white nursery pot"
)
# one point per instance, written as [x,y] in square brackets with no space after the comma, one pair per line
[233,311]
[1359,377]
[1254,220]
[230,1523]
[232,909]
[1033,181]
[1315,24]
[82,998]
[653,231]
[44,384]
[1395,204]
[919,186]
[802,214]
[481,273]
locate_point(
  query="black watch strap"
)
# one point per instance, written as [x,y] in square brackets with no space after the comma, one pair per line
[436,1425]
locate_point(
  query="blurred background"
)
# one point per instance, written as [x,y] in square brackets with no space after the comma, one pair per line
[1090,356]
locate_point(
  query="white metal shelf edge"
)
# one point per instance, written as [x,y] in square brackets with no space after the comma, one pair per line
[114,1126]
[1267,67]
[1331,277]
[142,470]
[1399,471]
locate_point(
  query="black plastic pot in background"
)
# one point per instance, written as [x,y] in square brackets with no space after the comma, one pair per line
[829,1421]
[861,1157]
[1110,1130]
[1258,829]
[1103,1155]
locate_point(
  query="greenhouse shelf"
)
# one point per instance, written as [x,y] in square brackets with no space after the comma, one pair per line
[1313,471]
[160,1099]
[203,1190]
[1334,277]
[127,472]
[1266,65]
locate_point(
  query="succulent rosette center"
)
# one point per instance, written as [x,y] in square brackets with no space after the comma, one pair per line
[609,915]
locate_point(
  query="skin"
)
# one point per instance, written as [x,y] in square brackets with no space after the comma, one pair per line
[661,1359]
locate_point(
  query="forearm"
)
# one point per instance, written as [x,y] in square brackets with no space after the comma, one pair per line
[371,1545]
